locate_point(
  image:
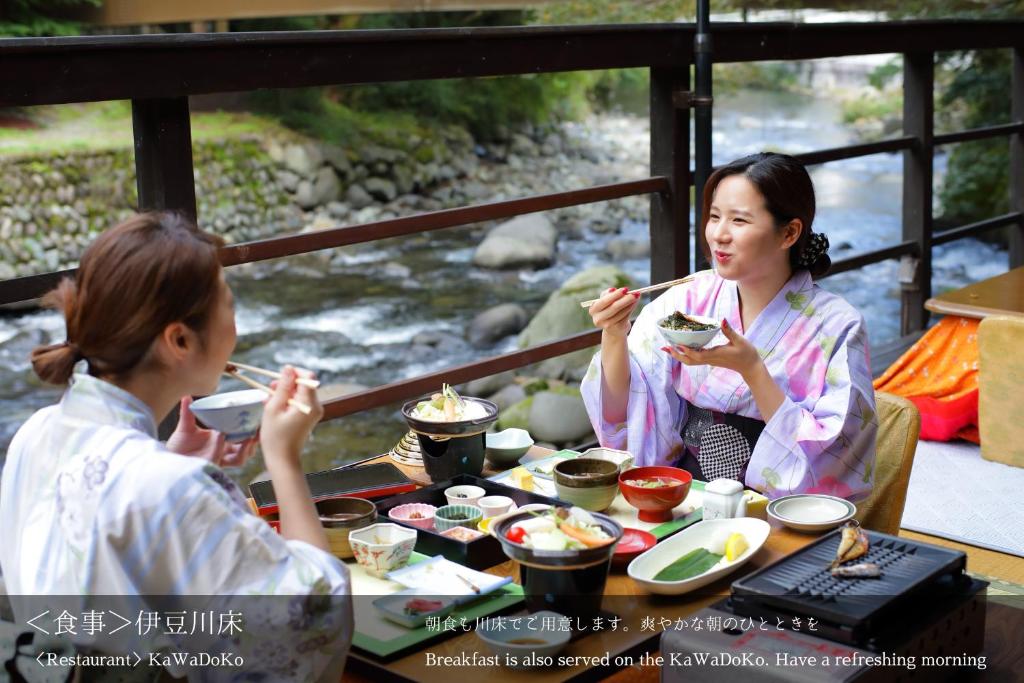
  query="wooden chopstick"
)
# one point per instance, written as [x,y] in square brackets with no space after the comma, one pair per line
[468,583]
[311,383]
[643,290]
[298,405]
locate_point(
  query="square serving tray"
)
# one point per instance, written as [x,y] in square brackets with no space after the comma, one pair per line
[477,554]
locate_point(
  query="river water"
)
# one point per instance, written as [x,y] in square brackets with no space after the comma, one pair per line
[354,321]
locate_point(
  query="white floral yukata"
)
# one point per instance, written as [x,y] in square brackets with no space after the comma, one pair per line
[92,505]
[814,344]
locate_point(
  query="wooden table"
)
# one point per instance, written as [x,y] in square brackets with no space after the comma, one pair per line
[1004,647]
[1000,295]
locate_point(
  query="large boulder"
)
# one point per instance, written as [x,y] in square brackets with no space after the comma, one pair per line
[524,241]
[357,197]
[562,316]
[485,386]
[496,323]
[508,397]
[303,159]
[559,416]
[326,186]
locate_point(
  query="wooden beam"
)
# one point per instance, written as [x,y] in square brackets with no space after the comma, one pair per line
[670,157]
[136,12]
[918,120]
[1016,232]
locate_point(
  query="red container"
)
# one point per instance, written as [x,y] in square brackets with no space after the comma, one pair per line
[655,504]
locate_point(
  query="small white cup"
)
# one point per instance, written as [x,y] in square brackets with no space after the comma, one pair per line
[465,494]
[495,505]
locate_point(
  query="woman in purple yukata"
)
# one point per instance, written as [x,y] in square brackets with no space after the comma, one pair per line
[781,399]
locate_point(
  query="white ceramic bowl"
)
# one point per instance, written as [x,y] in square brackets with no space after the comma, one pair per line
[497,632]
[235,413]
[624,459]
[504,448]
[695,340]
[811,512]
[701,535]
[379,548]
[465,494]
[495,505]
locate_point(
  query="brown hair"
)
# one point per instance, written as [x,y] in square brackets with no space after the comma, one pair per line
[788,193]
[152,270]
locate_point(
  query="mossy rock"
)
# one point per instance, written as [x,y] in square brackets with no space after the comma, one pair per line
[517,416]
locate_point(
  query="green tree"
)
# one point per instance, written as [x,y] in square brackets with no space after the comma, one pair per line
[26,18]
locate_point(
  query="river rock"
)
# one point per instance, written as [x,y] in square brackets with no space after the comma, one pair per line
[622,248]
[326,186]
[508,396]
[337,158]
[302,159]
[304,195]
[559,417]
[496,323]
[289,180]
[485,386]
[357,197]
[524,241]
[562,316]
[381,188]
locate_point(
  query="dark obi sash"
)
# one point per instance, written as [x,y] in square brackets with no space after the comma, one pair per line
[717,445]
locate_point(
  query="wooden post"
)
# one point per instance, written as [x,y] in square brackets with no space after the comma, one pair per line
[702,121]
[163,155]
[670,157]
[918,110]
[163,169]
[1016,232]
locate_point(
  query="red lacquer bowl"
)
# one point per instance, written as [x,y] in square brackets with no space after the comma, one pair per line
[655,504]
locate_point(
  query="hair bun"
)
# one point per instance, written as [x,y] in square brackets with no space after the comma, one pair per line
[55,363]
[816,247]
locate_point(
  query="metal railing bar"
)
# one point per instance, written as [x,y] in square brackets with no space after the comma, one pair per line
[871,257]
[980,133]
[853,151]
[290,245]
[972,229]
[417,386]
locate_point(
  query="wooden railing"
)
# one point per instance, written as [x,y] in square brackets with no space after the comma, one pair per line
[159,73]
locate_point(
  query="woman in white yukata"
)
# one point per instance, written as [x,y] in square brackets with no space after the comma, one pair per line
[782,399]
[93,504]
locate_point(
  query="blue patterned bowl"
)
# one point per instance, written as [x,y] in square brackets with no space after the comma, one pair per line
[236,413]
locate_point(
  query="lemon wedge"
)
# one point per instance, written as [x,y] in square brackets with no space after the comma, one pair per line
[735,546]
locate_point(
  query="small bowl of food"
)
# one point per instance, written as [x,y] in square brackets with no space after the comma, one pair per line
[655,490]
[380,548]
[694,331]
[419,515]
[451,516]
[504,448]
[589,483]
[462,534]
[340,516]
[465,494]
[235,413]
[521,641]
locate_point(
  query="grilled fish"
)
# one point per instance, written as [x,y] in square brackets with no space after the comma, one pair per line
[852,544]
[864,570]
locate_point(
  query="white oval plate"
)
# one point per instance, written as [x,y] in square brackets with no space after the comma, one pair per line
[811,511]
[700,535]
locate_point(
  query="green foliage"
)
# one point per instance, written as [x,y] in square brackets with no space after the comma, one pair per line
[977,180]
[27,18]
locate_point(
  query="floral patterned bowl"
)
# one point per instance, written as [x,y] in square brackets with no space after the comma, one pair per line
[379,548]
